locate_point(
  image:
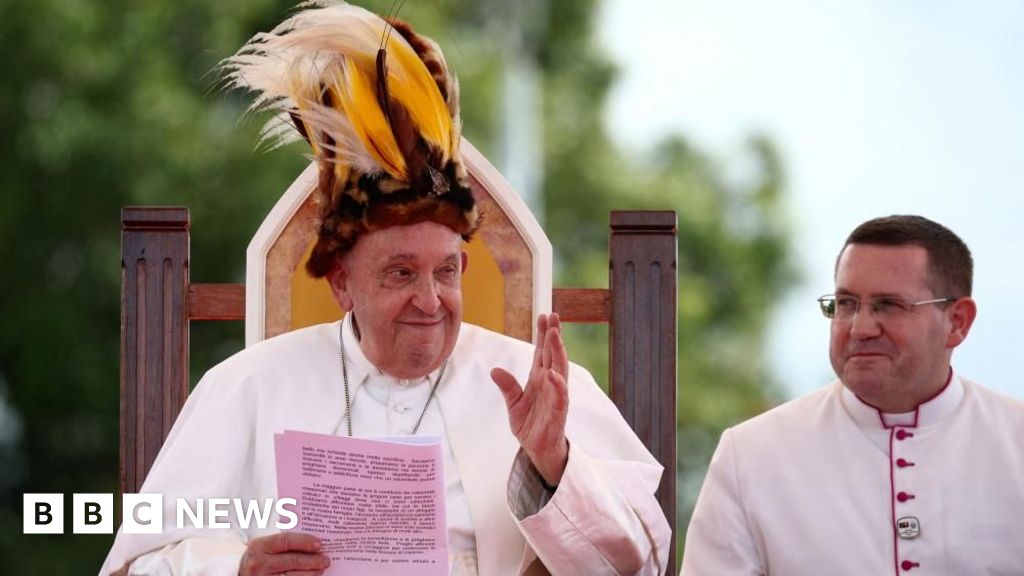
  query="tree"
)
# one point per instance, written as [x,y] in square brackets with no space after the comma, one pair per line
[105,106]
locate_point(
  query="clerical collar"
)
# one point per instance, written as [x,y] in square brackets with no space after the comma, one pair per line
[356,358]
[929,412]
[347,382]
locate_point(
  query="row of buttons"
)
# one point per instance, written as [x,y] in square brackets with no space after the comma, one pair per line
[908,527]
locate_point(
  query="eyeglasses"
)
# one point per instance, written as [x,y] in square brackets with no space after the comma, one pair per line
[845,307]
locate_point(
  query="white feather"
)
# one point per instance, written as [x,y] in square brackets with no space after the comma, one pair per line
[283,65]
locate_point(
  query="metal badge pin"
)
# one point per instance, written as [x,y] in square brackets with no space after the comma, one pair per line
[908,527]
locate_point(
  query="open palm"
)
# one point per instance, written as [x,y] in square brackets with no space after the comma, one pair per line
[537,411]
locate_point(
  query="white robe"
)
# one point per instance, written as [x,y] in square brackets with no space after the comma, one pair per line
[814,487]
[602,519]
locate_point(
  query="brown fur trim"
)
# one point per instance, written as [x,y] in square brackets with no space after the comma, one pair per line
[421,210]
[361,207]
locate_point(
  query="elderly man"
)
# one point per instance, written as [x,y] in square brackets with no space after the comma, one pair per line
[541,472]
[900,466]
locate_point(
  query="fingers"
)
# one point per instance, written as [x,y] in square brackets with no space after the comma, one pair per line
[549,334]
[300,563]
[559,356]
[287,542]
[542,334]
[560,399]
[548,327]
[290,553]
[544,439]
[508,385]
[551,346]
[297,563]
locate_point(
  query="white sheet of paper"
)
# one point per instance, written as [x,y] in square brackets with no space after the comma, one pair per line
[378,505]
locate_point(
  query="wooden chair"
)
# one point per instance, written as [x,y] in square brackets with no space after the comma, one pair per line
[510,262]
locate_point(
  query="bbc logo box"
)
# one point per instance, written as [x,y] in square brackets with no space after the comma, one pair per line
[43,514]
[91,514]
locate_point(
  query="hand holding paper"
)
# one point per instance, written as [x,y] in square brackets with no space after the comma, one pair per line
[287,552]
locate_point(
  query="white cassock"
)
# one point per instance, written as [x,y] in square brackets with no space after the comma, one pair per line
[826,484]
[602,519]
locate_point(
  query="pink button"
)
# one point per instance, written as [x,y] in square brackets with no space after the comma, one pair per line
[903,463]
[908,565]
[903,496]
[902,434]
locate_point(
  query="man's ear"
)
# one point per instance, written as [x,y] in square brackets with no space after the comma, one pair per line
[465,261]
[962,314]
[338,280]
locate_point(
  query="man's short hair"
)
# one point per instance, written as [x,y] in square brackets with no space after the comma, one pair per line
[950,266]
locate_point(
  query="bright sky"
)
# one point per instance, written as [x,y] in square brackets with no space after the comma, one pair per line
[878,107]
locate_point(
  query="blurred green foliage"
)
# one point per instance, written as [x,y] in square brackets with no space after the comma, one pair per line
[110,104]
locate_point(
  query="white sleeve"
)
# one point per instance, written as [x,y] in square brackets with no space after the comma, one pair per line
[192,557]
[206,454]
[603,518]
[719,540]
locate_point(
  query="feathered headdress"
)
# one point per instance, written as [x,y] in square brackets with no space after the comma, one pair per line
[380,109]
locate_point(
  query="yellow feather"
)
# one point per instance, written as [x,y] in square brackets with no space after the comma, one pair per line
[290,66]
[411,84]
[356,95]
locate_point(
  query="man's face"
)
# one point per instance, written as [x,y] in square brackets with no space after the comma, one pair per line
[897,363]
[404,286]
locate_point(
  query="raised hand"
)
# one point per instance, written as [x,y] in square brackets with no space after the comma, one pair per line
[536,412]
[291,553]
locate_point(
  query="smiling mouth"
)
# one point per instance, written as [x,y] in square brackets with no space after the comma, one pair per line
[866,355]
[423,324]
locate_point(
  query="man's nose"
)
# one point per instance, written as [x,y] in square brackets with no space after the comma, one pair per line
[426,298]
[864,324]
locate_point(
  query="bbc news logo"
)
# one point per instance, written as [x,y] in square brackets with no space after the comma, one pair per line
[144,513]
